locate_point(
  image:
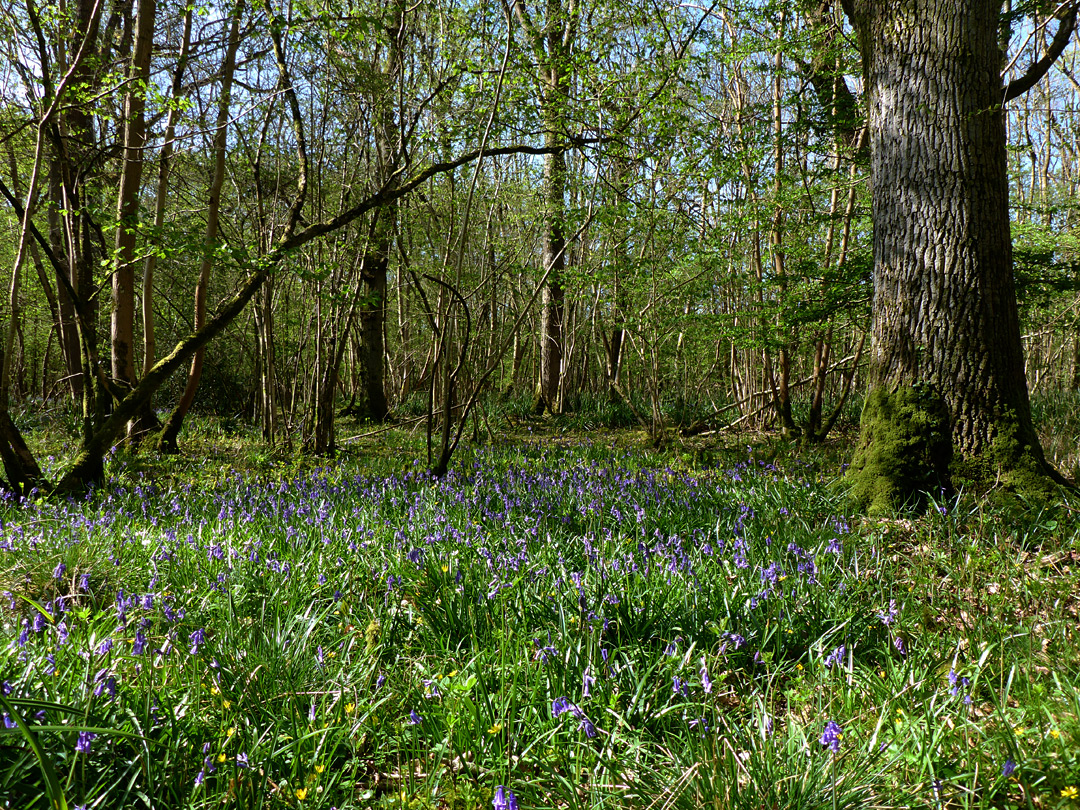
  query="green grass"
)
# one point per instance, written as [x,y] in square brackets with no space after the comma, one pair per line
[359,635]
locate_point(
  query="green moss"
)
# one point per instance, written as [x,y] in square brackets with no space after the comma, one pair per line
[904,449]
[1012,471]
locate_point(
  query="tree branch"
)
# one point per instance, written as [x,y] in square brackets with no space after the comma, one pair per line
[1035,71]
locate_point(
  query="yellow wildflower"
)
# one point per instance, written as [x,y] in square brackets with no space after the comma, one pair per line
[301,794]
[1069,792]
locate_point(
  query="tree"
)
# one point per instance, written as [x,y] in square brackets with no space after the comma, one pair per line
[948,398]
[127,207]
[552,42]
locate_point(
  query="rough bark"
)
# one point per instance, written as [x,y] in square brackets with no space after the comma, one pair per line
[946,336]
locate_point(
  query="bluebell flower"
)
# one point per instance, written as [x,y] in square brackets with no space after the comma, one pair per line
[139,647]
[242,760]
[82,745]
[588,727]
[8,722]
[504,799]
[587,681]
[197,638]
[560,705]
[58,572]
[836,657]
[414,718]
[706,683]
[831,736]
[1009,768]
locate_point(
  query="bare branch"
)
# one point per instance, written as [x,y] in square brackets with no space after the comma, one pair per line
[1035,71]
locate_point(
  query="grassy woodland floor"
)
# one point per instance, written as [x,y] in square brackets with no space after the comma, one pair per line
[563,622]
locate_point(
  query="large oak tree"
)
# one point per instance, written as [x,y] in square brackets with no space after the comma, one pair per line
[948,398]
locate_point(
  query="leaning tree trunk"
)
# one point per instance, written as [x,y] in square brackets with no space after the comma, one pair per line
[948,399]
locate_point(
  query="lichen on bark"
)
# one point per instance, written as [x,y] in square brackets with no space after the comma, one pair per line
[904,451]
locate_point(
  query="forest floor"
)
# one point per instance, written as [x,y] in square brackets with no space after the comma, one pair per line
[570,619]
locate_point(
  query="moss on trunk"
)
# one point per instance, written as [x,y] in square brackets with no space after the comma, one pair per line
[905,454]
[904,451]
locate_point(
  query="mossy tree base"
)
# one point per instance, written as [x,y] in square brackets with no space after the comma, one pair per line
[905,454]
[904,450]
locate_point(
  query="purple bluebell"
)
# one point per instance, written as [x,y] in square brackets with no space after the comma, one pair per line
[1009,768]
[706,682]
[82,745]
[197,638]
[414,718]
[140,644]
[504,799]
[242,760]
[560,705]
[835,657]
[8,722]
[831,736]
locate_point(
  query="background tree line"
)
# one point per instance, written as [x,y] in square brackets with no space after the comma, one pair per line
[408,209]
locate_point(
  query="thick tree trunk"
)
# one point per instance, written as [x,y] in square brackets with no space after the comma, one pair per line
[948,394]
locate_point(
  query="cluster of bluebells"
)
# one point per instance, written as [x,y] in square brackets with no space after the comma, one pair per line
[616,530]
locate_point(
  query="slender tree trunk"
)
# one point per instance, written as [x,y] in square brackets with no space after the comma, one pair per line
[147,422]
[127,208]
[167,438]
[947,366]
